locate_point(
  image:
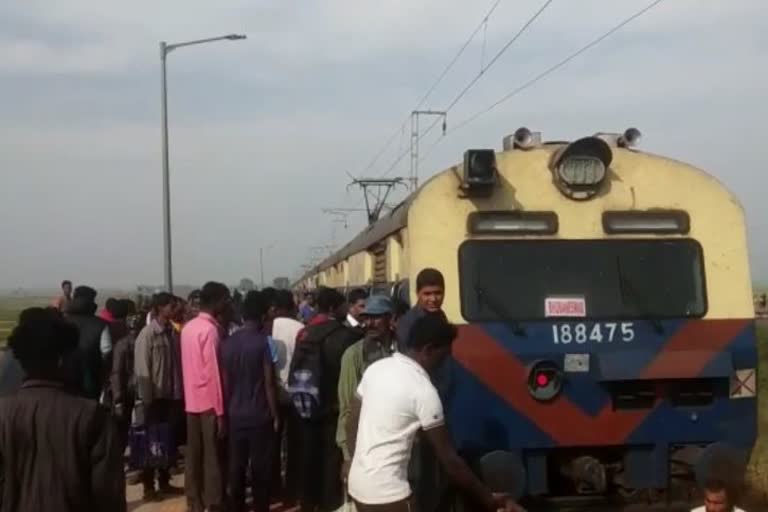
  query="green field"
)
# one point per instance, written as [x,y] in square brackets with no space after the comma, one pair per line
[758,474]
[10,307]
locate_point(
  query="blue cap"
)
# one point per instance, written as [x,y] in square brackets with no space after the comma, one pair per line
[377,305]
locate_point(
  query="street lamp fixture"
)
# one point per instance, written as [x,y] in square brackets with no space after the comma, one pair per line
[165,49]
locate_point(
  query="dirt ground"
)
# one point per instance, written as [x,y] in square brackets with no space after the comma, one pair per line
[172,504]
[135,503]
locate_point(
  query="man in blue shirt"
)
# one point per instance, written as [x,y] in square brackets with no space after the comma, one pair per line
[430,292]
[307,308]
[250,400]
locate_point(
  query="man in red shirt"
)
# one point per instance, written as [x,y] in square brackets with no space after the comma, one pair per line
[204,403]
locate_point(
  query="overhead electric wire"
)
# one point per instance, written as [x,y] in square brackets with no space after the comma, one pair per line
[499,54]
[472,82]
[482,24]
[511,94]
[434,86]
[545,73]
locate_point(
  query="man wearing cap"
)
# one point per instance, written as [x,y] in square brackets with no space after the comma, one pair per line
[379,342]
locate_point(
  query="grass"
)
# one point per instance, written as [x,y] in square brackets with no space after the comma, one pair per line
[10,307]
[757,477]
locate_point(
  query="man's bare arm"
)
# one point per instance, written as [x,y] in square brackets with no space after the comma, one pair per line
[460,473]
[351,426]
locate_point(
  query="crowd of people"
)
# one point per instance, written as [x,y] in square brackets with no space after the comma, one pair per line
[330,402]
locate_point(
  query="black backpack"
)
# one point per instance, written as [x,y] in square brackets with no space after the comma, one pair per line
[306,376]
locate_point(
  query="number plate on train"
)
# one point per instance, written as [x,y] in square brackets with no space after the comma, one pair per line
[581,333]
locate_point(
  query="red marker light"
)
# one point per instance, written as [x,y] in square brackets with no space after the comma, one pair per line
[542,380]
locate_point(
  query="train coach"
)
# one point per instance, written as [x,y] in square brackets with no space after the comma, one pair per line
[603,297]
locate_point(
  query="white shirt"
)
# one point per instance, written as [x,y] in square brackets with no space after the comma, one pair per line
[105,342]
[704,509]
[352,321]
[284,332]
[398,400]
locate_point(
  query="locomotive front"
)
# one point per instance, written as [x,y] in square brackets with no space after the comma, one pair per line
[607,345]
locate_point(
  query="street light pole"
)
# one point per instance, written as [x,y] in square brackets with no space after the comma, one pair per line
[167,257]
[165,49]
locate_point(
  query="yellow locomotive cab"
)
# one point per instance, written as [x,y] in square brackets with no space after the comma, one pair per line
[604,304]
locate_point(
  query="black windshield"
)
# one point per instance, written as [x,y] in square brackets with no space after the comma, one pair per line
[616,278]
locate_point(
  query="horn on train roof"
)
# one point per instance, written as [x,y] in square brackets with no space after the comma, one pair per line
[629,139]
[523,138]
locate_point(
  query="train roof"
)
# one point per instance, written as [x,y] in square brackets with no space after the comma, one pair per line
[392,222]
[397,218]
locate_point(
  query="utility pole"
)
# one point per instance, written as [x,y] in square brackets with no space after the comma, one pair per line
[374,204]
[167,256]
[415,136]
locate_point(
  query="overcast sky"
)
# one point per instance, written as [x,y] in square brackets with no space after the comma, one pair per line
[264,131]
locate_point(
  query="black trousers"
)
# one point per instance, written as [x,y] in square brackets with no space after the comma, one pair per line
[178,421]
[148,478]
[159,411]
[203,476]
[431,492]
[254,446]
[288,450]
[124,424]
[321,485]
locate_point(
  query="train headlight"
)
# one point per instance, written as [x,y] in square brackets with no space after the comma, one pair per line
[480,171]
[580,169]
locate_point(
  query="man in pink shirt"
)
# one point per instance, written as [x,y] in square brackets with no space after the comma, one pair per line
[204,402]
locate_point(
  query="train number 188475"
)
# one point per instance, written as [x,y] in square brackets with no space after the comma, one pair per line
[593,333]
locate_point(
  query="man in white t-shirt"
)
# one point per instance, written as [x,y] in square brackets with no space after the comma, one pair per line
[285,329]
[717,498]
[396,399]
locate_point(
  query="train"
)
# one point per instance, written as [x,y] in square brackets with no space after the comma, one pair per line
[602,294]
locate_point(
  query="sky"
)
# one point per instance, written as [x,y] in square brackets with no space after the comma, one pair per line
[265,132]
